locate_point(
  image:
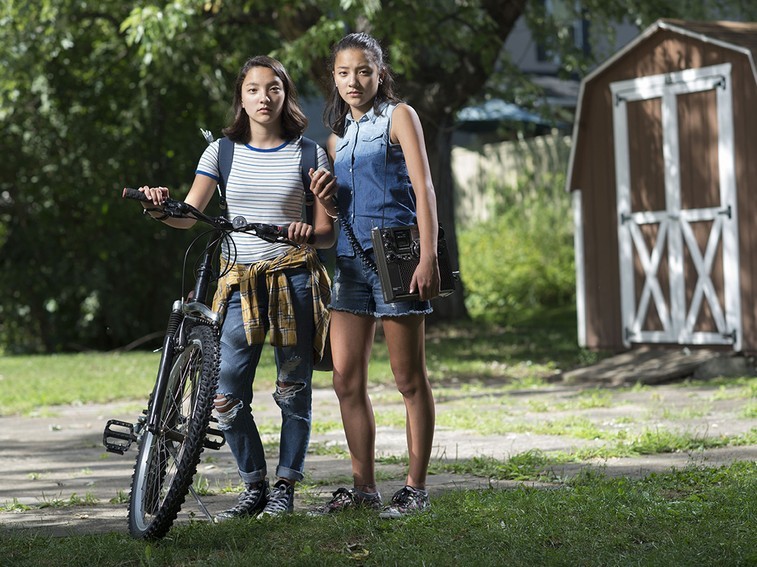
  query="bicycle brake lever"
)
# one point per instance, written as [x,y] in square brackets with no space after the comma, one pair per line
[268,232]
[269,236]
[272,233]
[184,210]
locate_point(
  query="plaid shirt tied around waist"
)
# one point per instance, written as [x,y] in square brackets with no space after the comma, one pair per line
[280,310]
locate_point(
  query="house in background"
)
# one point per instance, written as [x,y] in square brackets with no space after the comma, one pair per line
[500,144]
[544,69]
[663,173]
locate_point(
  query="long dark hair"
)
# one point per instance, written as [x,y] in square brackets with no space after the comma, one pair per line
[336,109]
[293,120]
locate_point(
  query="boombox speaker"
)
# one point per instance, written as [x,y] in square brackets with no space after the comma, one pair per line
[398,251]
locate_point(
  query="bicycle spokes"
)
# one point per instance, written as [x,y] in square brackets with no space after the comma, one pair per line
[170,450]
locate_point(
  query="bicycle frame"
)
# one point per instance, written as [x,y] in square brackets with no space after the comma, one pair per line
[180,312]
[177,424]
[119,435]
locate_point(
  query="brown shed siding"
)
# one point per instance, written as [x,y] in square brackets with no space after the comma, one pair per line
[745,140]
[593,171]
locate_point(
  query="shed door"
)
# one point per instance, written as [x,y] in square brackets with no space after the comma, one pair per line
[676,198]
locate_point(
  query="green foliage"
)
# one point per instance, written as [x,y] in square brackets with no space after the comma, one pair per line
[95,98]
[521,261]
[96,95]
[102,95]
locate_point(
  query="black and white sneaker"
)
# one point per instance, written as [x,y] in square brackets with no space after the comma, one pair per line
[280,500]
[251,501]
[406,500]
[348,499]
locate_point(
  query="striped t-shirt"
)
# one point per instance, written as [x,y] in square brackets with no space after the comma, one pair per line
[263,186]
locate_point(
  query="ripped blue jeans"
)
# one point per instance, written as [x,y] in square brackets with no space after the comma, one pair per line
[293,393]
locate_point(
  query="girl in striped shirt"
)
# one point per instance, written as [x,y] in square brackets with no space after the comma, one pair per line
[265,185]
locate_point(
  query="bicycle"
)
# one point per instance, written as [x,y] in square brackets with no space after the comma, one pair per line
[176,426]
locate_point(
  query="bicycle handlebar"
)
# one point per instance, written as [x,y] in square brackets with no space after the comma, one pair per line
[180,209]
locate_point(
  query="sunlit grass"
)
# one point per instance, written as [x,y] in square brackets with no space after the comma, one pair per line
[588,399]
[689,412]
[331,449]
[749,411]
[88,499]
[528,466]
[460,355]
[31,383]
[15,506]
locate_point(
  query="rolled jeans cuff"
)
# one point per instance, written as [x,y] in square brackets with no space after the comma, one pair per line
[290,474]
[253,477]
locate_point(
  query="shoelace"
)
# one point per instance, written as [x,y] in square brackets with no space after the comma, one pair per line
[278,500]
[248,497]
[404,496]
[340,497]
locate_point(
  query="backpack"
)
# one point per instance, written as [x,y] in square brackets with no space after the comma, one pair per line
[309,160]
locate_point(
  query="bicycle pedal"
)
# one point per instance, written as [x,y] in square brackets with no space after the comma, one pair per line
[214,438]
[118,440]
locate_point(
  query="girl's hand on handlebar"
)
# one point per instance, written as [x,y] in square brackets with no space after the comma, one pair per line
[157,196]
[300,232]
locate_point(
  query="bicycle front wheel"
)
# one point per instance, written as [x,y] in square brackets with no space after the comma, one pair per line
[167,458]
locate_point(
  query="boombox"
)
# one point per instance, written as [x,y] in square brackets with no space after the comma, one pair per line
[398,251]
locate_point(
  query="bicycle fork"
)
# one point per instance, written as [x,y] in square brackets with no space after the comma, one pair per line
[119,435]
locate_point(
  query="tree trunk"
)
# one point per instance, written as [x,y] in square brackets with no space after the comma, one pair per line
[438,134]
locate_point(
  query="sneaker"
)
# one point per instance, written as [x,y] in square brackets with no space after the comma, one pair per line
[280,500]
[251,501]
[344,499]
[407,500]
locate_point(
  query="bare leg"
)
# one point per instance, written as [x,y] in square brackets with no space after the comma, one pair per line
[351,342]
[405,337]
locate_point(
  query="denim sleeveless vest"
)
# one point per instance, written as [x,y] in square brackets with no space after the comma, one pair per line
[373,184]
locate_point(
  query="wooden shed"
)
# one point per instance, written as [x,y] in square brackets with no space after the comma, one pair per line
[663,173]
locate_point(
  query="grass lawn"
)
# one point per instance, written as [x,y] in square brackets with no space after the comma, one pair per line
[694,516]
[691,517]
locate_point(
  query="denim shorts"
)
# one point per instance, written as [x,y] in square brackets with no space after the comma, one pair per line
[357,289]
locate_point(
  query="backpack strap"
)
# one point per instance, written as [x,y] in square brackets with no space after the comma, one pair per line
[225,157]
[309,160]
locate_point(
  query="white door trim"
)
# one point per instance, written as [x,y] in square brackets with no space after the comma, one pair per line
[674,224]
[580,256]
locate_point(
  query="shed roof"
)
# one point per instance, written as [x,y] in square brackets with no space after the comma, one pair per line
[737,36]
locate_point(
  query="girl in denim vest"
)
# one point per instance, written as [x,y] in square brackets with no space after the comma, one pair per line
[383,179]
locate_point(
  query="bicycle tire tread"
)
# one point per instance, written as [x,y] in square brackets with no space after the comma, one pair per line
[193,444]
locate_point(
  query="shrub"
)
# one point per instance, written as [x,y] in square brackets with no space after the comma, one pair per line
[523,259]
